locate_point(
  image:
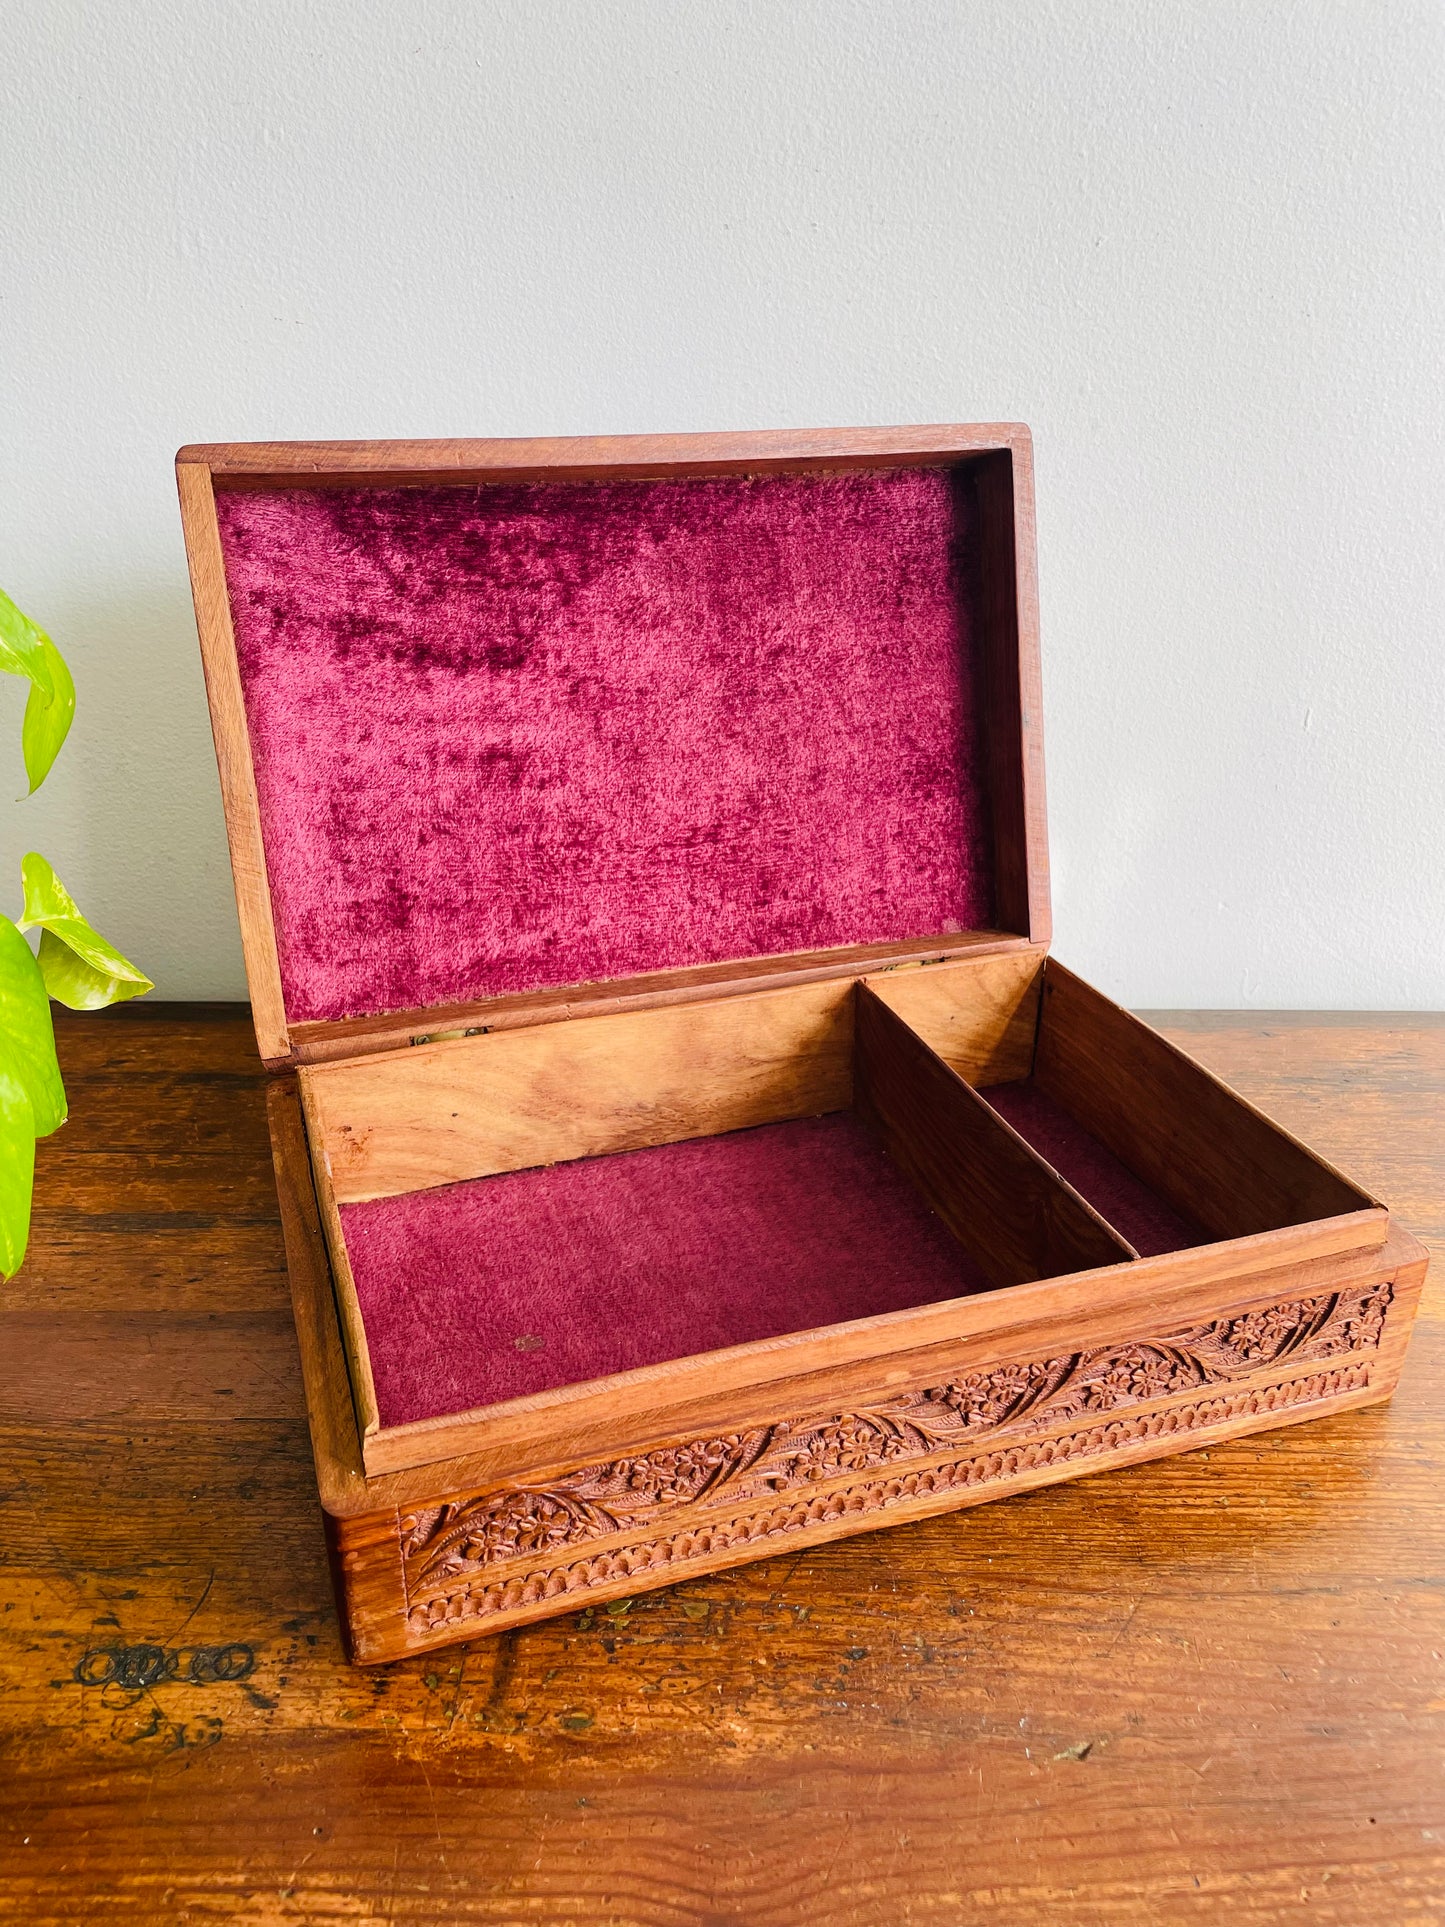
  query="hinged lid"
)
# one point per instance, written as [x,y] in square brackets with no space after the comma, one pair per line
[498,719]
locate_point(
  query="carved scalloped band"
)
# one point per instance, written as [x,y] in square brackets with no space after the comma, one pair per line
[480,1602]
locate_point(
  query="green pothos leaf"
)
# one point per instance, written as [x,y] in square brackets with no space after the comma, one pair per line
[27,1035]
[78,966]
[26,650]
[32,1097]
[22,646]
[47,719]
[17,1167]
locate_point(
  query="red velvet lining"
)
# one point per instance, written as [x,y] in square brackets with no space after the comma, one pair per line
[477,1292]
[512,737]
[1136,1211]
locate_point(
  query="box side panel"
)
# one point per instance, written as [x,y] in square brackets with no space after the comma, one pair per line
[1407,1280]
[1012,690]
[353,1038]
[330,1412]
[476,1106]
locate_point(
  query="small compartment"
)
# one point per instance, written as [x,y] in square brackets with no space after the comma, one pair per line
[1135,1209]
[1168,1155]
[526,1210]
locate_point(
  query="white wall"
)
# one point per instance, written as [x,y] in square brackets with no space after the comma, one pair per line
[1197,246]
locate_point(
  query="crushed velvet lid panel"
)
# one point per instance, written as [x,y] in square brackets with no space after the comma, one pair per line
[513,737]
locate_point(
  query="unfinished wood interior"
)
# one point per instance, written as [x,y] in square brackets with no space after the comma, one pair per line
[473,1106]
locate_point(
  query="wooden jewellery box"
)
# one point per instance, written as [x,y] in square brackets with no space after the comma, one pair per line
[688,1149]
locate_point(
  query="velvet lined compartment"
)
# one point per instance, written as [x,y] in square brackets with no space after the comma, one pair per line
[496,1287]
[518,736]
[481,1291]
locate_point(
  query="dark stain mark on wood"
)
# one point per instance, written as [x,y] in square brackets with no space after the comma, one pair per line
[134,1667]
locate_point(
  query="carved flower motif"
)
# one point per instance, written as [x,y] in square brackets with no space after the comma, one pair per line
[1154,1375]
[1109,1386]
[1364,1330]
[506,1526]
[850,1446]
[1132,1374]
[1261,1334]
[677,1472]
[1361,1324]
[986,1398]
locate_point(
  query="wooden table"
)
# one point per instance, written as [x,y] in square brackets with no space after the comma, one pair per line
[1205,1689]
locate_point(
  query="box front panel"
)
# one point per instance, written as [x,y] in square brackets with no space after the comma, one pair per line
[474,1562]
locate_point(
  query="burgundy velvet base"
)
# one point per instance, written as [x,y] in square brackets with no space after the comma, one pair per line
[477,1292]
[1134,1210]
[512,737]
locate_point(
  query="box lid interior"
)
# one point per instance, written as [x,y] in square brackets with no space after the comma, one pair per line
[560,727]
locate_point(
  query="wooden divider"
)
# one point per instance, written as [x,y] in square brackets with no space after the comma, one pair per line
[1008,1208]
[980,1014]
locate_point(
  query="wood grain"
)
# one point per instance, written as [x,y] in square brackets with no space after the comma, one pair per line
[323,1043]
[474,1106]
[394,464]
[233,755]
[1204,1689]
[361,1378]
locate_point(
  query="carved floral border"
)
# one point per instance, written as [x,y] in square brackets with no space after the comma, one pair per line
[444,1546]
[439,1616]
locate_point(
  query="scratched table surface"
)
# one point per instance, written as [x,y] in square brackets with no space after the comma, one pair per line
[1205,1689]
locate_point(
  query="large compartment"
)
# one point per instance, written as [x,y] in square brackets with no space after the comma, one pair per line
[503,1286]
[517,1211]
